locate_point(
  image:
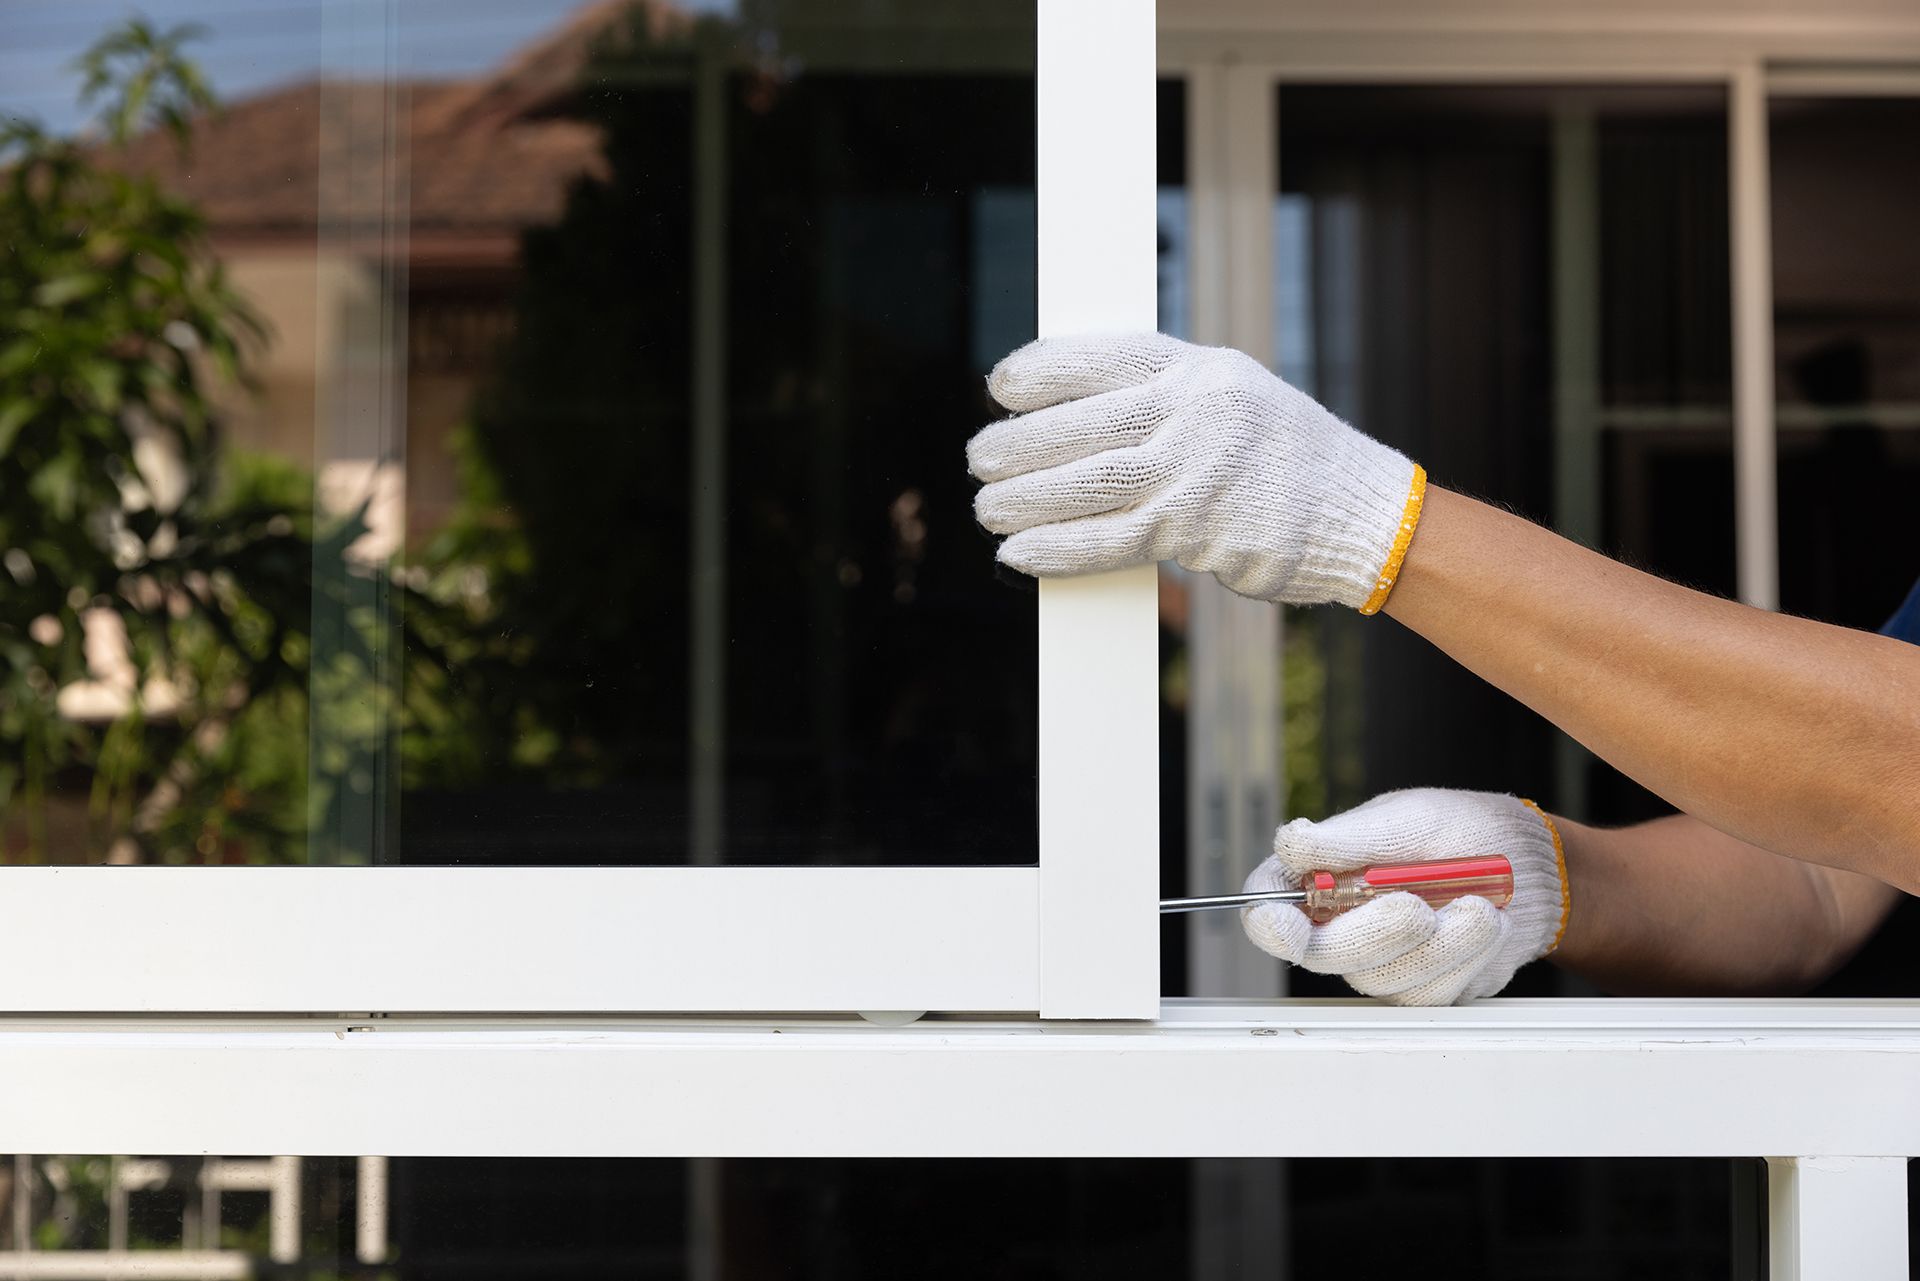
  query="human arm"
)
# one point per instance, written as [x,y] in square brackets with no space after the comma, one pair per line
[1799,737]
[1665,907]
[1796,736]
[1676,907]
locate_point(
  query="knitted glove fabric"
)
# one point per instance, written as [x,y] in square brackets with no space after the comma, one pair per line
[1135,448]
[1397,948]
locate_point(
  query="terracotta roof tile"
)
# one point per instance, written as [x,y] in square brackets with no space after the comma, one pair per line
[481,156]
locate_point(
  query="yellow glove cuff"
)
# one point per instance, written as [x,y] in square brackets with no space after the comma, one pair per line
[1409,518]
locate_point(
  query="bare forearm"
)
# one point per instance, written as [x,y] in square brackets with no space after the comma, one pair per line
[1674,906]
[1796,736]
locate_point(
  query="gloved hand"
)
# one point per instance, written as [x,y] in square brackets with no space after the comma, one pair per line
[1397,948]
[1137,448]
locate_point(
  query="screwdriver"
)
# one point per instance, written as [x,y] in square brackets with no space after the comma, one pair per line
[1325,895]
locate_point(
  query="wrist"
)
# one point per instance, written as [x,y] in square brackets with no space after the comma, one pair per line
[1429,547]
[1594,938]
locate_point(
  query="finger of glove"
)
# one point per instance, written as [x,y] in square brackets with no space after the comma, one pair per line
[1390,828]
[1451,987]
[1490,978]
[1278,929]
[1369,936]
[1051,370]
[1270,875]
[1467,931]
[1105,482]
[1066,432]
[1447,989]
[1088,545]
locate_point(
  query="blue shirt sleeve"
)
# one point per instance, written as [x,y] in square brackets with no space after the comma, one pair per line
[1905,623]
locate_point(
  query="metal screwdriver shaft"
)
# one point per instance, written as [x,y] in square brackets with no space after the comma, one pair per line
[1207,904]
[1325,895]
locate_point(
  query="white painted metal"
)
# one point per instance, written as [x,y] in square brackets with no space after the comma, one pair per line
[1078,939]
[1509,1078]
[1837,1217]
[1663,1019]
[1099,662]
[1756,498]
[591,939]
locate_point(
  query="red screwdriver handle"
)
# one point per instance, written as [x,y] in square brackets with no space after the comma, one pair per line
[1438,881]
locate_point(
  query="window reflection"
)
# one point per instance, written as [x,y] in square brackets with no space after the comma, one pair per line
[573,472]
[1526,288]
[183,1218]
[508,1219]
[1847,351]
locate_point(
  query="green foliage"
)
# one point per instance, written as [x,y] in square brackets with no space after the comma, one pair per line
[139,76]
[78,1218]
[117,328]
[485,707]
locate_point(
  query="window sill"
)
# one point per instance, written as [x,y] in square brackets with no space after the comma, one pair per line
[1209,1078]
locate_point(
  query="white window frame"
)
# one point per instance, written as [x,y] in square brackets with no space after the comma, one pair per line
[1828,1091]
[1074,936]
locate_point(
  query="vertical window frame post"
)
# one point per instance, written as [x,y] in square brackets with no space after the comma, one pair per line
[1099,662]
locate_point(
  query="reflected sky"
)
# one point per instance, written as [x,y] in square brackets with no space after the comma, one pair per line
[256,44]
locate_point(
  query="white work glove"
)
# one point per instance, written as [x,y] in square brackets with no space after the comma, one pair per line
[1140,447]
[1397,948]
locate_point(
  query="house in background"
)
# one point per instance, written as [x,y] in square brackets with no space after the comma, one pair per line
[311,199]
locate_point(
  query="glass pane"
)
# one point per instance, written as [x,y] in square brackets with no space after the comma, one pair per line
[1174,209]
[1526,289]
[501,1219]
[590,490]
[1846,336]
[1846,292]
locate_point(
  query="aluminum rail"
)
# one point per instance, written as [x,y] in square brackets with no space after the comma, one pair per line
[1507,1078]
[1828,1091]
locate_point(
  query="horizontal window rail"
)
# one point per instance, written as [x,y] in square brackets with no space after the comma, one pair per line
[1300,1078]
[1828,1091]
[263,939]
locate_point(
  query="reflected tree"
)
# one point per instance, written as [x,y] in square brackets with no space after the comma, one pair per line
[154,589]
